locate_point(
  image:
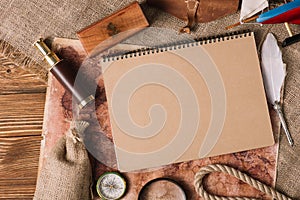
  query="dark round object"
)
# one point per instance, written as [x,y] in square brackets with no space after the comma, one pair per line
[162,188]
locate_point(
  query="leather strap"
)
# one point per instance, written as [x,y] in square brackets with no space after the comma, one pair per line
[192,7]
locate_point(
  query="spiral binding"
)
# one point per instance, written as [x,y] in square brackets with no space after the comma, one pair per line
[198,42]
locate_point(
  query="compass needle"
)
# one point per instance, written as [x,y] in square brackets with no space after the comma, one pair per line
[111,186]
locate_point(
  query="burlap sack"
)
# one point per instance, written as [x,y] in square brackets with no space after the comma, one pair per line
[67,172]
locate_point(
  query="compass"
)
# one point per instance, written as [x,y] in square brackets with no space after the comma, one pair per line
[111,186]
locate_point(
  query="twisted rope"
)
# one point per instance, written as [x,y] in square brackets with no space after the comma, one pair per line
[198,183]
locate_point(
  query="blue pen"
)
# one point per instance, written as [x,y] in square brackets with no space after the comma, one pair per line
[277,11]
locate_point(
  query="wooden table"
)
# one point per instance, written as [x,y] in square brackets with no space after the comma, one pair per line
[22,98]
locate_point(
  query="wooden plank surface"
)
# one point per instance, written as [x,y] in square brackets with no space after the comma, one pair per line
[21,114]
[22,99]
[14,79]
[19,156]
[17,188]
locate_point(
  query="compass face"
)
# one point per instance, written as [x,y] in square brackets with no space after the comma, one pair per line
[111,186]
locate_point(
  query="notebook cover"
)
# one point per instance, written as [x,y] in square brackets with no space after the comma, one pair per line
[259,163]
[189,102]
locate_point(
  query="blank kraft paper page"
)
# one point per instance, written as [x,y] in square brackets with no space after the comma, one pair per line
[186,102]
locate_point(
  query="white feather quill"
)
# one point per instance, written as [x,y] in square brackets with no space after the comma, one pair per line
[273,70]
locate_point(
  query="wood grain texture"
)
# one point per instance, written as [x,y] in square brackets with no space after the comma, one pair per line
[19,157]
[21,114]
[14,79]
[127,21]
[17,188]
[12,57]
[21,119]
[22,99]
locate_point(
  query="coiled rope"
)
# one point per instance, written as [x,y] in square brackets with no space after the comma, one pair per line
[198,183]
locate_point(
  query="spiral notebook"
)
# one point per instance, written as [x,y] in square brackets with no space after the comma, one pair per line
[186,102]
